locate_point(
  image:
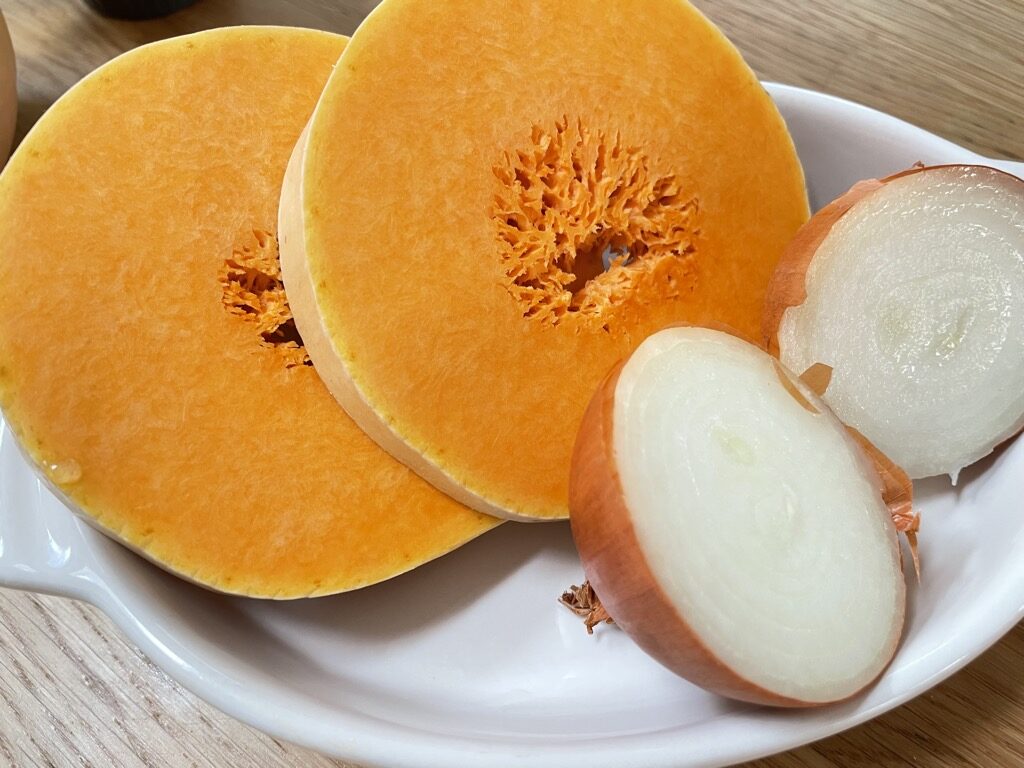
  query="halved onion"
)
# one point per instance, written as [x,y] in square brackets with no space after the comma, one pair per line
[912,289]
[732,526]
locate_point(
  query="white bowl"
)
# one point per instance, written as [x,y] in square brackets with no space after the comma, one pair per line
[470,660]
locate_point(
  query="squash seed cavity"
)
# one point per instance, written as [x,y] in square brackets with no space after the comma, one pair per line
[587,232]
[252,289]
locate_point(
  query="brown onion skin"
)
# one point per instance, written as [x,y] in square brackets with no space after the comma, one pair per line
[788,286]
[617,570]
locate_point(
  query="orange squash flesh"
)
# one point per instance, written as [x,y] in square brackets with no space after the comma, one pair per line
[459,190]
[145,363]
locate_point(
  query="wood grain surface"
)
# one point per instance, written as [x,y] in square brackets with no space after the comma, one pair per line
[74,692]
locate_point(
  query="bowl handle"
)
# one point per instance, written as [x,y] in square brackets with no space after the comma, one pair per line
[43,546]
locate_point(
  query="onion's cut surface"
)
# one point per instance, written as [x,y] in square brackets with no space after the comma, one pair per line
[912,289]
[732,527]
[470,172]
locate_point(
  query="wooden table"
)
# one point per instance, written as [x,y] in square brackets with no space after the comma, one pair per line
[74,692]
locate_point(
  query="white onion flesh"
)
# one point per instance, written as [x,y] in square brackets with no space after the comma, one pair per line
[761,520]
[916,300]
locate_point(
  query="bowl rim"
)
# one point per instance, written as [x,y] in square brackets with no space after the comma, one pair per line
[87,572]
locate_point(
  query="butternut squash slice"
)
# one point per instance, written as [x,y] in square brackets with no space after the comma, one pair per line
[495,202]
[148,363]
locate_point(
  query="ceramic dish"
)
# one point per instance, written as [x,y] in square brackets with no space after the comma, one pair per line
[470,661]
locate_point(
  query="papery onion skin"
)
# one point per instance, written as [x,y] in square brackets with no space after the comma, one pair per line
[617,570]
[897,491]
[894,483]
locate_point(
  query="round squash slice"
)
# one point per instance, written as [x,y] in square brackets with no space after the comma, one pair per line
[148,363]
[495,202]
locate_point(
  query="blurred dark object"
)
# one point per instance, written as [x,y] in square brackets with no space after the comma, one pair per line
[137,10]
